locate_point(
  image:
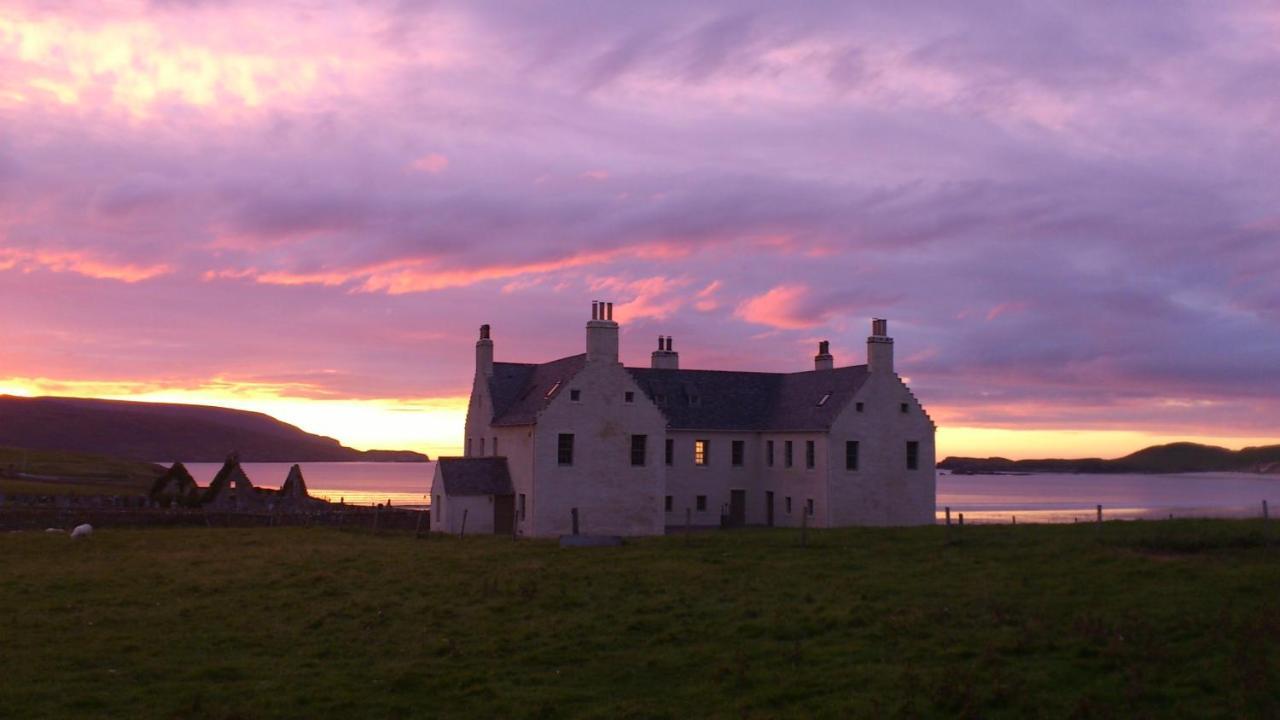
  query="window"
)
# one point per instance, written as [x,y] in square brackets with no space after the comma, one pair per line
[786,453]
[851,455]
[702,503]
[913,455]
[788,504]
[668,504]
[809,454]
[481,447]
[564,451]
[629,396]
[553,390]
[521,505]
[737,451]
[468,452]
[575,396]
[495,445]
[701,448]
[824,399]
[638,447]
[905,408]
[670,451]
[808,506]
[857,406]
[768,453]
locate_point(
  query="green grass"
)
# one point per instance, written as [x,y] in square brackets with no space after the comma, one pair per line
[96,474]
[1135,619]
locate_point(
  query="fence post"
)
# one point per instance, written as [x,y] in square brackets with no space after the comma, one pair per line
[948,516]
[574,517]
[961,519]
[1099,513]
[463,530]
[1015,519]
[1266,515]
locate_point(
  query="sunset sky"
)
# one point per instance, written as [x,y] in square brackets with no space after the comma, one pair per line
[1070,215]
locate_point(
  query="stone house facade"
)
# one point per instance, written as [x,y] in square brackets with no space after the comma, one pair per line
[638,450]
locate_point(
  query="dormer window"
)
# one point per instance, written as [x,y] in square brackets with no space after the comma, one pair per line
[553,390]
[824,399]
[575,395]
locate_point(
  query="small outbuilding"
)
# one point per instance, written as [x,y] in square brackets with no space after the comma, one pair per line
[478,489]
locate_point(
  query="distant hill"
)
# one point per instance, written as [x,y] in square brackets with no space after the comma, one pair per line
[166,432]
[1173,458]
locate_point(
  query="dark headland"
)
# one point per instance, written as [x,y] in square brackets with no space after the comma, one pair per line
[162,431]
[1179,457]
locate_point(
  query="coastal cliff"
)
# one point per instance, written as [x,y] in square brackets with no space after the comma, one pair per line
[1172,458]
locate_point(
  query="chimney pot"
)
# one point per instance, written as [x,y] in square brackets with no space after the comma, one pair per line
[609,307]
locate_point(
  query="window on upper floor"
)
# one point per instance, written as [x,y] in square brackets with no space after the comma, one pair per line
[467,453]
[851,455]
[701,452]
[809,454]
[564,449]
[701,502]
[858,407]
[737,451]
[905,408]
[913,455]
[670,452]
[638,449]
[629,396]
[575,396]
[787,454]
[768,453]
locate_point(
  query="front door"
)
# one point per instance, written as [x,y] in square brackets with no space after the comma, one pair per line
[768,508]
[504,510]
[737,508]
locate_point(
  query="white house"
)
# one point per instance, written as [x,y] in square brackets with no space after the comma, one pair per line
[637,450]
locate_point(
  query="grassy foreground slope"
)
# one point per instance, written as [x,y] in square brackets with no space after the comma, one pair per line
[1127,620]
[78,473]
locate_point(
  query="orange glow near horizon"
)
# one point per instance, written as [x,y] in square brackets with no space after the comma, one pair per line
[435,425]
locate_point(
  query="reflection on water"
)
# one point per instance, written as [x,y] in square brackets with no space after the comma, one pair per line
[1052,497]
[982,498]
[357,483]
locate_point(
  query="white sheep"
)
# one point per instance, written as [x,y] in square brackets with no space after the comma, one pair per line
[82,531]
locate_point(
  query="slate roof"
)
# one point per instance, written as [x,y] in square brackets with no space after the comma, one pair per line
[691,399]
[521,390]
[750,401]
[475,476]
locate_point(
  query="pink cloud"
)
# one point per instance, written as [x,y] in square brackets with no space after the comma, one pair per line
[81,263]
[431,163]
[780,307]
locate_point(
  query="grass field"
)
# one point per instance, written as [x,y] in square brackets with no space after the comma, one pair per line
[83,473]
[1139,619]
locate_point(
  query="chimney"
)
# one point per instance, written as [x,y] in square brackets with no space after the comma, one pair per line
[880,348]
[602,334]
[664,357]
[823,360]
[484,353]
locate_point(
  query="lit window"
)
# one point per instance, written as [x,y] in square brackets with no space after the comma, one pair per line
[738,449]
[700,448]
[913,455]
[702,503]
[638,446]
[575,395]
[824,399]
[564,449]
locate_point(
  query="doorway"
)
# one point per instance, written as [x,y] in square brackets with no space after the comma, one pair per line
[768,508]
[737,508]
[504,509]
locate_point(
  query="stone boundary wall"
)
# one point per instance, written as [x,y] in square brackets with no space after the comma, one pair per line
[37,517]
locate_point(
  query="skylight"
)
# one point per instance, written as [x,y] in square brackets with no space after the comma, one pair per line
[553,390]
[824,399]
